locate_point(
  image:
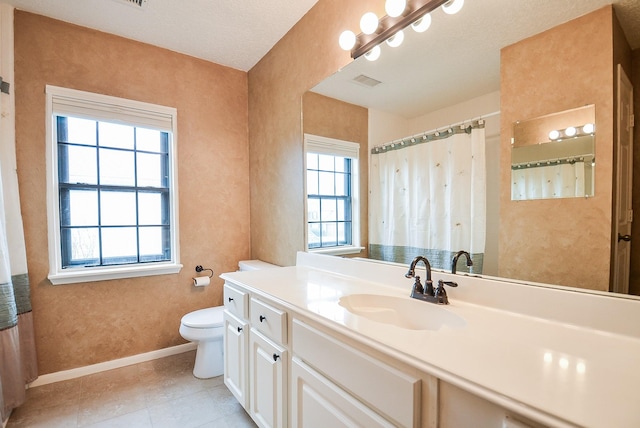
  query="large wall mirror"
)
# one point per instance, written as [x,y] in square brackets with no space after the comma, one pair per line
[448,78]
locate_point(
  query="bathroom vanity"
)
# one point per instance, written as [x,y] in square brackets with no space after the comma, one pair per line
[338,342]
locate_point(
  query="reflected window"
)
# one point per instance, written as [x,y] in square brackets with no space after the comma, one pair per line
[331,192]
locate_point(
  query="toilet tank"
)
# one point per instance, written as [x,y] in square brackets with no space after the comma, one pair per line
[245,265]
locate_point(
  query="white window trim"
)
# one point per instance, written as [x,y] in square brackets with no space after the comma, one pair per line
[113,108]
[334,147]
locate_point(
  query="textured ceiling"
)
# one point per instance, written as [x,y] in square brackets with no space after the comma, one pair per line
[235,33]
[458,57]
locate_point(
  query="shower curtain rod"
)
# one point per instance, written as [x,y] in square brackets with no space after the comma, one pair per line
[453,125]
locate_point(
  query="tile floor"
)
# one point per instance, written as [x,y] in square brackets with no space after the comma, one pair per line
[158,393]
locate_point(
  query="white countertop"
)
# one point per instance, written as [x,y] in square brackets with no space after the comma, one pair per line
[557,373]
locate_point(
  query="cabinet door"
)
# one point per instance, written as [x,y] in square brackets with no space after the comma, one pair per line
[268,382]
[318,402]
[236,333]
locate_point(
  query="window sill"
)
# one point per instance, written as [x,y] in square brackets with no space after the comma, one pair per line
[73,276]
[336,251]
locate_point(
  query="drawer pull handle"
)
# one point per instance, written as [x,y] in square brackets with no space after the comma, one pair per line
[275,357]
[239,329]
[230,299]
[262,318]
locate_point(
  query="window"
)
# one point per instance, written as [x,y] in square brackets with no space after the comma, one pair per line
[332,195]
[111,188]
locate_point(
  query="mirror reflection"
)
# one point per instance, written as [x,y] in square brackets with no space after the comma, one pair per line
[553,156]
[455,78]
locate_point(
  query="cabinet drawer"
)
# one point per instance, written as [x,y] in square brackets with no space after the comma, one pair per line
[236,301]
[395,394]
[268,320]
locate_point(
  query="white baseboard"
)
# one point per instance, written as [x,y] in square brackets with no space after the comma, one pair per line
[109,365]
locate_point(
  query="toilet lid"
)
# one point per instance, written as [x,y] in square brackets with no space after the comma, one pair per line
[204,318]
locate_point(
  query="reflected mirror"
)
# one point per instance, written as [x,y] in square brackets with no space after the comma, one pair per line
[553,156]
[450,75]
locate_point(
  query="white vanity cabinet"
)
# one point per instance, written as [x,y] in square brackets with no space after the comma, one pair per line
[268,365]
[236,342]
[256,358]
[334,384]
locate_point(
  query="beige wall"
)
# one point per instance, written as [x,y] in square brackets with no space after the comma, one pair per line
[81,324]
[566,241]
[305,56]
[328,117]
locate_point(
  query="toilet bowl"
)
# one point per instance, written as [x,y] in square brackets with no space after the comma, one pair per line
[206,327]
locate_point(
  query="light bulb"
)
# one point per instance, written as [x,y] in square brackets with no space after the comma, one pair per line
[588,128]
[395,8]
[570,131]
[373,54]
[452,6]
[422,24]
[369,23]
[347,40]
[396,40]
[554,135]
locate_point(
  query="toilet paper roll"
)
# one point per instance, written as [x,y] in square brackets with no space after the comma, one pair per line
[201,281]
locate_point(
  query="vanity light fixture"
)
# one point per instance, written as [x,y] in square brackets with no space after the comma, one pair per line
[369,23]
[570,131]
[400,14]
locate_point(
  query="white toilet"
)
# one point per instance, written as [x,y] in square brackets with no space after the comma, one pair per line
[206,326]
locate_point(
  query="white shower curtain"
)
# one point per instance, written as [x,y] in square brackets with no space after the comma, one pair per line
[565,180]
[18,364]
[430,199]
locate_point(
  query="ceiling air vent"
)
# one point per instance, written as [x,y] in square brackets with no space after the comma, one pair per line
[138,4]
[366,81]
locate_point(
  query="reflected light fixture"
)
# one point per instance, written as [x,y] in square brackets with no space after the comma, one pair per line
[373,54]
[400,14]
[588,128]
[396,40]
[422,24]
[452,6]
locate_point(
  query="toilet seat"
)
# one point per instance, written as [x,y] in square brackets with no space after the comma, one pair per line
[204,318]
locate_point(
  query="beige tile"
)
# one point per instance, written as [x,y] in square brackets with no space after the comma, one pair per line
[185,412]
[239,419]
[44,417]
[139,419]
[100,406]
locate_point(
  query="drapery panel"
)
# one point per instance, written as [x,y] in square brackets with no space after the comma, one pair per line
[430,199]
[18,363]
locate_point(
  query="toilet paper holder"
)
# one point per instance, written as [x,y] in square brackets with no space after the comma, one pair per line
[199,269]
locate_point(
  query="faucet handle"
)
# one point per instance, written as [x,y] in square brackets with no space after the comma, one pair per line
[417,286]
[440,293]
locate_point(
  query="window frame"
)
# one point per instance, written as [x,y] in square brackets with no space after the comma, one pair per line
[87,105]
[334,147]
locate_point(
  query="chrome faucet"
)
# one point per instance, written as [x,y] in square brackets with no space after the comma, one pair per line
[427,293]
[454,262]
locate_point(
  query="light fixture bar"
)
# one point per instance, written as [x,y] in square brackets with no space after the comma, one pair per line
[389,26]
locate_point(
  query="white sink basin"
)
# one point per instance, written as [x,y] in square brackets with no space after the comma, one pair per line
[401,312]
